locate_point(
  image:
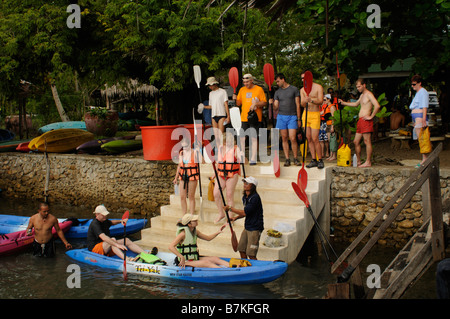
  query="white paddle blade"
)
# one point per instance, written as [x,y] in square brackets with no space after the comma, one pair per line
[197,75]
[235,117]
[206,156]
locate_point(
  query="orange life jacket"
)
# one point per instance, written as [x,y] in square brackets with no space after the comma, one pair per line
[188,171]
[228,169]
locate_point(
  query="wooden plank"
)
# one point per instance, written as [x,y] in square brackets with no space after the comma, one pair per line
[437,235]
[386,208]
[338,291]
[391,217]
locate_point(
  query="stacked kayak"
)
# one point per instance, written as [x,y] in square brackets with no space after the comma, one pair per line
[58,125]
[60,140]
[6,135]
[259,272]
[121,146]
[11,146]
[95,146]
[13,223]
[18,241]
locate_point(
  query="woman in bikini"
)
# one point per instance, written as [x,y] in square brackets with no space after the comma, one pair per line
[228,169]
[187,174]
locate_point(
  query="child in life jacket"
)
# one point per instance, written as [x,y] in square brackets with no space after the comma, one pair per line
[228,170]
[187,175]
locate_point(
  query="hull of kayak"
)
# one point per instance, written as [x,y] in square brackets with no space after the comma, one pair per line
[259,272]
[12,223]
[18,241]
[61,140]
[121,146]
[58,125]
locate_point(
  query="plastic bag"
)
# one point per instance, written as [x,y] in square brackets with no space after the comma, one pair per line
[424,140]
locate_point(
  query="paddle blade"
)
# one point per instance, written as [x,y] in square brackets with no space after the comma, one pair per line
[235,116]
[302,178]
[300,193]
[233,78]
[307,82]
[269,75]
[125,217]
[234,241]
[276,164]
[197,75]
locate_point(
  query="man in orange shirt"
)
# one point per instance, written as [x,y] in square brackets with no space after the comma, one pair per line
[252,98]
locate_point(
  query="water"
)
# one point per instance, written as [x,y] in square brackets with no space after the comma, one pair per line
[24,276]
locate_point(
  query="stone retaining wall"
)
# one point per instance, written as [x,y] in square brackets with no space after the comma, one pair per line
[358,195]
[118,182]
[141,186]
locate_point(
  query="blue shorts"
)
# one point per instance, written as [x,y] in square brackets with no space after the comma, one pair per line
[285,122]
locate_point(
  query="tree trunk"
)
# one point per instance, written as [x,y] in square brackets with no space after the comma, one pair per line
[59,106]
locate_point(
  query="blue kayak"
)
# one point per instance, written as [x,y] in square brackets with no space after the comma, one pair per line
[259,272]
[13,223]
[58,125]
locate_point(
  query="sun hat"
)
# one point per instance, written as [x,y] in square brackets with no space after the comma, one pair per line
[101,209]
[251,180]
[211,81]
[187,218]
[247,76]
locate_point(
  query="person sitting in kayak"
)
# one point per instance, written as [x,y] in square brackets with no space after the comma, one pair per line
[228,169]
[185,245]
[187,174]
[43,223]
[99,240]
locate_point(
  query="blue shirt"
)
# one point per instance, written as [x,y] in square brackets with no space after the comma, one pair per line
[421,100]
[253,212]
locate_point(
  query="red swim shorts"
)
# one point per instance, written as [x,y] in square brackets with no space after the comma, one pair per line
[364,126]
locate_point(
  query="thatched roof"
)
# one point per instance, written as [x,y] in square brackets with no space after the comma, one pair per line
[131,90]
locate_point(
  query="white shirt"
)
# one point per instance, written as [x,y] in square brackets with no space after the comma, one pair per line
[421,100]
[217,101]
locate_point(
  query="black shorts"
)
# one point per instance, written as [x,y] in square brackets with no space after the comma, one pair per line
[44,250]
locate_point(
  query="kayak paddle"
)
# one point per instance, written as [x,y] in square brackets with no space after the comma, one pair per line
[302,178]
[233,78]
[302,195]
[198,144]
[198,79]
[234,241]
[235,117]
[269,78]
[124,221]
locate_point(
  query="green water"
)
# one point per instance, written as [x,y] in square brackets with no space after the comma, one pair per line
[24,276]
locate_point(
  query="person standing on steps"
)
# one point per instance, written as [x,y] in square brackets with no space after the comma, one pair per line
[254,219]
[187,174]
[287,102]
[252,98]
[313,103]
[364,127]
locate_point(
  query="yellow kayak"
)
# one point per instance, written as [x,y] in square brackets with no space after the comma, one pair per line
[60,140]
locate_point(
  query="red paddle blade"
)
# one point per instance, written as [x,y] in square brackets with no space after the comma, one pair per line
[233,78]
[307,82]
[302,178]
[125,216]
[300,193]
[269,75]
[276,164]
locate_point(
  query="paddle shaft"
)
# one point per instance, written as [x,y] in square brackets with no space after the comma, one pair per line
[221,194]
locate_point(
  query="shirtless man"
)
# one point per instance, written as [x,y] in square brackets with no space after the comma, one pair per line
[43,222]
[364,127]
[314,102]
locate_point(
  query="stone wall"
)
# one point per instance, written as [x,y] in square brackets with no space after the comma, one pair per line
[118,182]
[358,195]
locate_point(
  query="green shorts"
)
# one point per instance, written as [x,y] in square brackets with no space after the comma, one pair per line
[249,242]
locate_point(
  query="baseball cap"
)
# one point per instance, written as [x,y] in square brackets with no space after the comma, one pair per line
[101,209]
[251,180]
[187,218]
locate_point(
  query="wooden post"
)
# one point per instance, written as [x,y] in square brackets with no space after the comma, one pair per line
[437,234]
[339,291]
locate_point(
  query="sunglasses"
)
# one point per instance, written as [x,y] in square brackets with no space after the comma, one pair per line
[413,84]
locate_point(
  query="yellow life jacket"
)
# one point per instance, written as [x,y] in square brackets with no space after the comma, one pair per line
[189,246]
